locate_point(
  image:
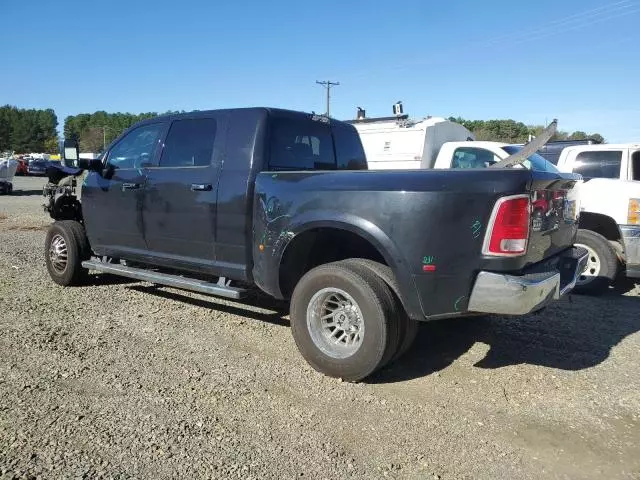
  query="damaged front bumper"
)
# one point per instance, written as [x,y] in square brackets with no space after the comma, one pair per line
[509,294]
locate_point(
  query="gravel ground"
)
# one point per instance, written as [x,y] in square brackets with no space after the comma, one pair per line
[120,379]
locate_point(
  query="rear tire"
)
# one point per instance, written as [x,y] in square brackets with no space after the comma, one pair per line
[341,321]
[602,266]
[407,327]
[66,246]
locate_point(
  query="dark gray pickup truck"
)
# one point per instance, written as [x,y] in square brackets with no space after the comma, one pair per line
[224,201]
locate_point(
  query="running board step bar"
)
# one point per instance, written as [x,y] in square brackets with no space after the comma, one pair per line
[220,289]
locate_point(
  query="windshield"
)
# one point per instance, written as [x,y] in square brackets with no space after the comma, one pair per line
[533,162]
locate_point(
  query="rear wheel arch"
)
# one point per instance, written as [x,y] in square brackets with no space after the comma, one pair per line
[324,242]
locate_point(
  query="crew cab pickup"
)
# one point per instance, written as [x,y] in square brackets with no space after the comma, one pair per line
[609,210]
[227,200]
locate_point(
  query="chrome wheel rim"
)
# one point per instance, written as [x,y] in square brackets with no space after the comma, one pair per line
[335,323]
[58,254]
[592,270]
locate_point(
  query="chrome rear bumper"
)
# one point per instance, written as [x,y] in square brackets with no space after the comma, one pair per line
[518,295]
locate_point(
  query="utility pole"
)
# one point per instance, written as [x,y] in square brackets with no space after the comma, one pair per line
[328,84]
[104,136]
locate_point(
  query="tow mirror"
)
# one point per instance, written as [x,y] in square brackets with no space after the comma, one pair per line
[92,164]
[71,153]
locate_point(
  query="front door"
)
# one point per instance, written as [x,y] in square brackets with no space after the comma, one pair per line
[180,194]
[112,199]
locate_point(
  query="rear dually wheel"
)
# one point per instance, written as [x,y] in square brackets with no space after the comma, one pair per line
[341,321]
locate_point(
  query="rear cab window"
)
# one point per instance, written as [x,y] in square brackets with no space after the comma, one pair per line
[349,151]
[598,163]
[298,144]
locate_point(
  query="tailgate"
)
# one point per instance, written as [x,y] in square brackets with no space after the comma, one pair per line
[554,214]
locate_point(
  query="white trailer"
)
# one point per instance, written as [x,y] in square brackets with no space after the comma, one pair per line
[400,143]
[397,143]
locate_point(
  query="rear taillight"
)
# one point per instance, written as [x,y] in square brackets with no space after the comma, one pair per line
[508,230]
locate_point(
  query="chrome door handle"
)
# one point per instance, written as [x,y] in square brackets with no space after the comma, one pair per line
[201,187]
[130,186]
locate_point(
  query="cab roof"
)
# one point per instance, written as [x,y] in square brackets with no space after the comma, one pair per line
[249,111]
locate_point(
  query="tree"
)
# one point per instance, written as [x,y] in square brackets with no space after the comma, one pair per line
[51,145]
[597,137]
[26,130]
[510,131]
[578,135]
[91,140]
[5,130]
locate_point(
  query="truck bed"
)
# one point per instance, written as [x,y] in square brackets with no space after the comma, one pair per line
[428,225]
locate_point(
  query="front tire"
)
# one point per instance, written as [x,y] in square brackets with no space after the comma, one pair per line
[602,266]
[66,246]
[340,321]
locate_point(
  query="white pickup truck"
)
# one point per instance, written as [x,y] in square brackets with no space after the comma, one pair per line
[393,143]
[609,210]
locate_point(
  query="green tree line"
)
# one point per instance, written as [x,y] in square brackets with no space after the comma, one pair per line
[96,130]
[25,131]
[510,131]
[31,130]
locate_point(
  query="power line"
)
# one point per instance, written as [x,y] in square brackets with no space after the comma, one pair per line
[537,32]
[566,25]
[575,19]
[327,84]
[576,27]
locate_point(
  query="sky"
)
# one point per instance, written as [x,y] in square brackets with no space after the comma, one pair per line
[574,60]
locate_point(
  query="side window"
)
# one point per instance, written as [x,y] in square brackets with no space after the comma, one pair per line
[635,162]
[136,148]
[599,164]
[349,152]
[189,143]
[299,145]
[471,157]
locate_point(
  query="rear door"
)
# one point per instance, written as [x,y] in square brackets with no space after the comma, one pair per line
[180,193]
